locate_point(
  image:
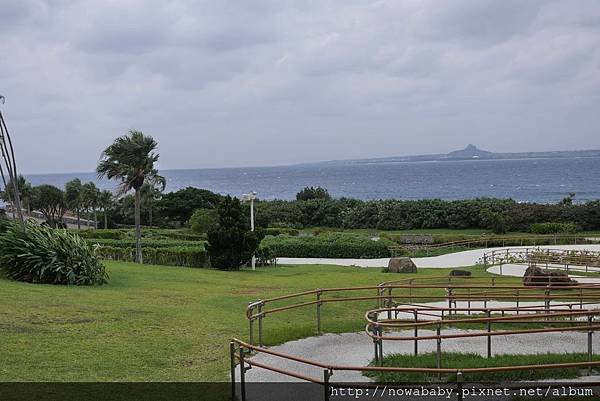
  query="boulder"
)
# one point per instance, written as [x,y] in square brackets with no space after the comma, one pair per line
[460,273]
[535,276]
[401,265]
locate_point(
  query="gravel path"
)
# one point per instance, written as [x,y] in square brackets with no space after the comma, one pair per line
[457,259]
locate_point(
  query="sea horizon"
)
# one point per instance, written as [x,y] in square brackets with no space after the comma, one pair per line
[543,180]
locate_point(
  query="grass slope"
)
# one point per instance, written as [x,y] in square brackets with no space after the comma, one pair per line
[157,323]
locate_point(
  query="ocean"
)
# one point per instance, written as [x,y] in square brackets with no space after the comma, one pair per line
[525,180]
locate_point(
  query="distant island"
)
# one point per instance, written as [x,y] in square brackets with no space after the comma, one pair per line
[472,152]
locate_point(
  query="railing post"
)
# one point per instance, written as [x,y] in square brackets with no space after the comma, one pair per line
[389,303]
[319,312]
[381,345]
[232,366]
[251,328]
[438,355]
[590,350]
[242,374]
[375,332]
[260,325]
[450,301]
[326,376]
[489,337]
[459,386]
[469,301]
[416,313]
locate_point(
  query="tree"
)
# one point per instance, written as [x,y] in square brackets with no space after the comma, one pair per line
[90,195]
[149,195]
[131,159]
[178,207]
[568,200]
[50,201]
[309,193]
[73,198]
[231,244]
[203,220]
[25,192]
[105,200]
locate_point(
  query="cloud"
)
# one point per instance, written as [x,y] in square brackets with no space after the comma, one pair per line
[230,83]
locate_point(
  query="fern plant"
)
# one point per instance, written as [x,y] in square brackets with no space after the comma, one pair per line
[40,254]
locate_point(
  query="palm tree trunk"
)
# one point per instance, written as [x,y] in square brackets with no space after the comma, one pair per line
[150,216]
[95,219]
[105,220]
[138,229]
[78,220]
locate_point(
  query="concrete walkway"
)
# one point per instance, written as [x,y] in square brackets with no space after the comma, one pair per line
[356,349]
[457,259]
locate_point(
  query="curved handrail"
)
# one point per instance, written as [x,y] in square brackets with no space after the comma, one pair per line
[534,240]
[549,256]
[557,309]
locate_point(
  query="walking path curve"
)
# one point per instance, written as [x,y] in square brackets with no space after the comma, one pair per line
[457,259]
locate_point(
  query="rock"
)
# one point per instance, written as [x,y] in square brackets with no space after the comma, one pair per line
[535,276]
[401,265]
[460,273]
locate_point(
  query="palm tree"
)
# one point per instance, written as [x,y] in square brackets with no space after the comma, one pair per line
[104,202]
[25,192]
[131,160]
[89,198]
[73,198]
[149,195]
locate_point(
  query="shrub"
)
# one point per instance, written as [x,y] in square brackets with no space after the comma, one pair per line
[146,243]
[265,256]
[328,245]
[203,220]
[281,230]
[554,228]
[231,244]
[40,254]
[308,193]
[102,234]
[176,256]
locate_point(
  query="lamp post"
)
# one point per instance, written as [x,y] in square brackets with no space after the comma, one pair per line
[250,197]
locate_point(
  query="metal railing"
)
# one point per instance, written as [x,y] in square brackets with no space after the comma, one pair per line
[501,241]
[563,309]
[564,259]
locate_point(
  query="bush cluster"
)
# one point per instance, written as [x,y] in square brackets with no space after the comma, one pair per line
[175,256]
[281,230]
[328,245]
[499,215]
[554,228]
[148,233]
[40,254]
[146,243]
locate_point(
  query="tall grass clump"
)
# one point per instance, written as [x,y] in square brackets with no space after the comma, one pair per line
[40,254]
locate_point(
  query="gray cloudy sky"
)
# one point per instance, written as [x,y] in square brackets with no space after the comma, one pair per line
[239,83]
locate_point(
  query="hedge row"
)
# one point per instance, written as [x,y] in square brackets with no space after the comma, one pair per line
[177,256]
[554,228]
[281,231]
[146,243]
[154,234]
[330,245]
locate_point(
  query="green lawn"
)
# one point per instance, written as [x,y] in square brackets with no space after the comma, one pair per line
[454,360]
[157,323]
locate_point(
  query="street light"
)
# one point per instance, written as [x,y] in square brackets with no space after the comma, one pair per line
[250,197]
